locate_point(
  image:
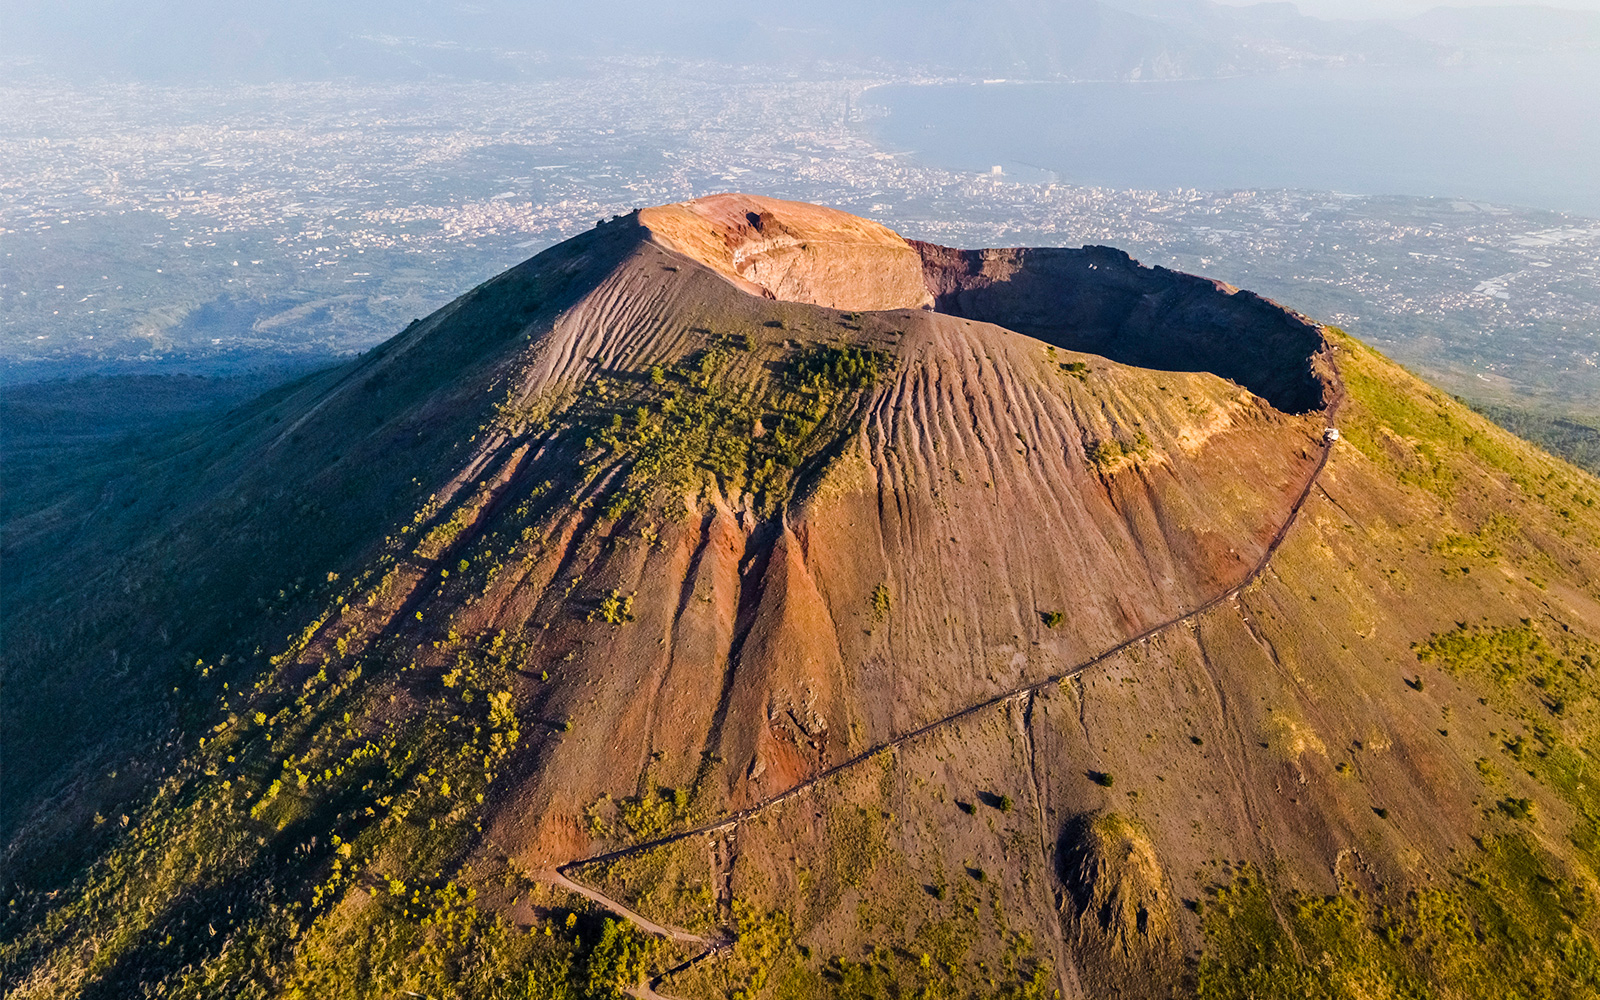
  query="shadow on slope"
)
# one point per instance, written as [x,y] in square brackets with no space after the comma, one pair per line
[1101,301]
[255,513]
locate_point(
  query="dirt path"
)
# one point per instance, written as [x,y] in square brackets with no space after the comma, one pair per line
[638,920]
[647,989]
[559,877]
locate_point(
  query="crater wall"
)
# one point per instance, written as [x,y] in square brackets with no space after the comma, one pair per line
[1102,301]
[1096,300]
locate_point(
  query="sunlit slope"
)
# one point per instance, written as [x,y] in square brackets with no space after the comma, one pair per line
[1362,776]
[793,251]
[615,548]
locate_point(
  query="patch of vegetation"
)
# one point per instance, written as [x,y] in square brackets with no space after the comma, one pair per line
[839,368]
[857,840]
[1544,680]
[709,420]
[442,536]
[880,602]
[231,878]
[1421,435]
[1483,543]
[458,951]
[879,977]
[615,609]
[654,813]
[1052,619]
[1503,655]
[934,964]
[1507,925]
[437,942]
[1110,453]
[1574,438]
[1516,808]
[765,950]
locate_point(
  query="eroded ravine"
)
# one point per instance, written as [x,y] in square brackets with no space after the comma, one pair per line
[561,874]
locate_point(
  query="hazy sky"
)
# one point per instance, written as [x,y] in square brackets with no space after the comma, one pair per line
[1083,39]
[1406,8]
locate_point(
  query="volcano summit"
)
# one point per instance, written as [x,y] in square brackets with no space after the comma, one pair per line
[740,599]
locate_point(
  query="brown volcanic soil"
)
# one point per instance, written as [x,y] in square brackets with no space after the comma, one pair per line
[1068,451]
[968,494]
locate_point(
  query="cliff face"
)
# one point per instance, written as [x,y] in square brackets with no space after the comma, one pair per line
[792,251]
[1038,640]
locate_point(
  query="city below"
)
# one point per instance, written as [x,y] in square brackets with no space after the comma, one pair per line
[205,229]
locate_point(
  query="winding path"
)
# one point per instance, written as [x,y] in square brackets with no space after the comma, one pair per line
[559,875]
[633,917]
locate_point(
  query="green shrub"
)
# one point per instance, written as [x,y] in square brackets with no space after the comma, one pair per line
[615,609]
[1516,808]
[880,602]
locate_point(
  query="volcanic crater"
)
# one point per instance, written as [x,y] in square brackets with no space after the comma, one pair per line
[1094,300]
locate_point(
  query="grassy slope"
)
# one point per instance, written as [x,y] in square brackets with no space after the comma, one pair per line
[1481,554]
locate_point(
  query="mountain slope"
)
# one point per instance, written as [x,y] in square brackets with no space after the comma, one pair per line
[864,652]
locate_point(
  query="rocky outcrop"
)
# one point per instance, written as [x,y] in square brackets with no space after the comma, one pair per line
[1118,904]
[794,252]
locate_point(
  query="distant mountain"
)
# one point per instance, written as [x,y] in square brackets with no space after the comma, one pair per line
[1506,31]
[176,40]
[740,600]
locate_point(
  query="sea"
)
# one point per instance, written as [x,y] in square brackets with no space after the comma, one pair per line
[1524,134]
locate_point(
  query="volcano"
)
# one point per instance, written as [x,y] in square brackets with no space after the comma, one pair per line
[741,599]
